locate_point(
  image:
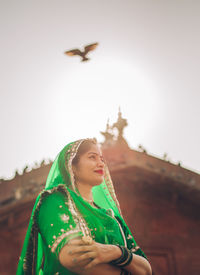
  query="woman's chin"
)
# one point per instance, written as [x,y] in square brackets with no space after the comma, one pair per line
[98,181]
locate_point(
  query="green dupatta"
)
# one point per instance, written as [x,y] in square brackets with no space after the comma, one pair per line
[60,213]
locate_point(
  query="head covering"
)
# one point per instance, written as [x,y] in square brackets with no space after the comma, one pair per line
[61,178]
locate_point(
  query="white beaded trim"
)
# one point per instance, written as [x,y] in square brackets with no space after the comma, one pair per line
[60,238]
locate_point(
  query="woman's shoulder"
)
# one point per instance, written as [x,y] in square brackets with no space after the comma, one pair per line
[51,199]
[58,192]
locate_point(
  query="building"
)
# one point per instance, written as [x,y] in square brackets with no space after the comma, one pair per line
[159,200]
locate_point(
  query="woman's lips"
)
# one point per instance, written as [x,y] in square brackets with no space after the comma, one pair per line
[99,172]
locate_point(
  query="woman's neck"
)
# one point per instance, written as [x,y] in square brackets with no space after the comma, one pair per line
[85,191]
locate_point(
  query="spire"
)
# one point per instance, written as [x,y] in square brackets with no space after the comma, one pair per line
[110,137]
[108,134]
[120,125]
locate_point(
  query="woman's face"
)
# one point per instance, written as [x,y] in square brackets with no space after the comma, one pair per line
[90,167]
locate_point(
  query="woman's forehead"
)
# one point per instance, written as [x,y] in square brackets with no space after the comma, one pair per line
[95,148]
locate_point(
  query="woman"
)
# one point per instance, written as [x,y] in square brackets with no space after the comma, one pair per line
[76,226]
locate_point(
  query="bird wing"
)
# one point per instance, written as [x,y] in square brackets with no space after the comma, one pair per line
[90,47]
[73,52]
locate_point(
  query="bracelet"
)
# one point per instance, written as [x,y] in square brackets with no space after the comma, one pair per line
[124,259]
[127,261]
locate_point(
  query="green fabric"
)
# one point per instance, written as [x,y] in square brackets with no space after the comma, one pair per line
[60,214]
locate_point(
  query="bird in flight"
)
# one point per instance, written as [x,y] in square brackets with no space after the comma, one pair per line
[82,54]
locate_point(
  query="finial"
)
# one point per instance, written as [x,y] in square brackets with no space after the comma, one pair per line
[108,134]
[110,137]
[120,124]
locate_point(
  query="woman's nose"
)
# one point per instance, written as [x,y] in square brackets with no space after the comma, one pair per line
[101,163]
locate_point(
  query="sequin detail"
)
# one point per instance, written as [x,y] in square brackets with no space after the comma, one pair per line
[60,238]
[65,218]
[135,248]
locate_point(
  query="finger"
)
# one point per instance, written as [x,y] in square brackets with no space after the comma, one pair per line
[81,264]
[92,263]
[79,249]
[83,259]
[76,242]
[90,255]
[76,261]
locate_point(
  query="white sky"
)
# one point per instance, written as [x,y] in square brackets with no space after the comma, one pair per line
[147,61]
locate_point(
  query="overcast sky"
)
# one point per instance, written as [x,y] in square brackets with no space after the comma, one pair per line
[147,61]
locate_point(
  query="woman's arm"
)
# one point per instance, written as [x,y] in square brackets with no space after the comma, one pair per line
[86,259]
[76,256]
[139,266]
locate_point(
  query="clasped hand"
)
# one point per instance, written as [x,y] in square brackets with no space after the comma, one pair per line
[87,256]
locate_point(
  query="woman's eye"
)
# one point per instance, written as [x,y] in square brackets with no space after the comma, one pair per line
[92,157]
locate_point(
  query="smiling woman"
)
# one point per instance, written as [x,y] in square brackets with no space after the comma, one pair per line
[76,225]
[88,169]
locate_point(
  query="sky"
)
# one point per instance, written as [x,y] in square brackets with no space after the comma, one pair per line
[147,62]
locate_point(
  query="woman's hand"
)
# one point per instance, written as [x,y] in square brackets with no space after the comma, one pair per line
[78,256]
[95,253]
[88,259]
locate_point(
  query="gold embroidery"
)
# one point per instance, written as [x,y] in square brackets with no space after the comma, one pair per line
[65,218]
[76,215]
[70,156]
[60,238]
[135,248]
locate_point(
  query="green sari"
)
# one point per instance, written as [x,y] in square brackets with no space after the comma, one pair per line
[60,214]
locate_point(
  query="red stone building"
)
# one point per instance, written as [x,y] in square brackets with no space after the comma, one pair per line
[159,200]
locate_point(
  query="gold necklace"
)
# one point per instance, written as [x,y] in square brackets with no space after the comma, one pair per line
[90,201]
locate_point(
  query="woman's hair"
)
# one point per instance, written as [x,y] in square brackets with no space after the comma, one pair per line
[83,148]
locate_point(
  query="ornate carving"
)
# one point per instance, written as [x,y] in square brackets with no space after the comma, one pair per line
[142,149]
[16,173]
[120,125]
[25,169]
[42,163]
[110,137]
[108,134]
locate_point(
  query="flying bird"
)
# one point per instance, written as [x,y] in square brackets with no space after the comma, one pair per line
[82,54]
